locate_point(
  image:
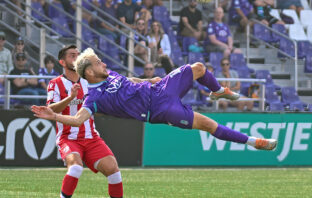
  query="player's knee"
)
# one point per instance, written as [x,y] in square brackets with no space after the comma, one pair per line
[75,170]
[199,68]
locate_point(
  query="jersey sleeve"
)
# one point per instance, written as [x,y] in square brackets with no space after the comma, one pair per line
[53,93]
[90,105]
[211,30]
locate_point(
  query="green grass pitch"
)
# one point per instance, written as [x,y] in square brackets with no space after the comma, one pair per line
[164,183]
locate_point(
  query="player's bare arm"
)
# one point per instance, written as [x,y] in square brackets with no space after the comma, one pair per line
[138,80]
[61,105]
[47,113]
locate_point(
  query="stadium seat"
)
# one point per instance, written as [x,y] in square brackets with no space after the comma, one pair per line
[290,96]
[160,13]
[271,95]
[286,46]
[262,33]
[304,48]
[280,28]
[192,98]
[139,70]
[276,107]
[296,32]
[195,57]
[54,12]
[244,73]
[308,64]
[39,13]
[87,36]
[177,58]
[62,26]
[296,107]
[215,60]
[160,71]
[305,18]
[238,61]
[265,74]
[186,42]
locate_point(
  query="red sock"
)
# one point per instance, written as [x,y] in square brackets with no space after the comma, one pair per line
[115,190]
[69,185]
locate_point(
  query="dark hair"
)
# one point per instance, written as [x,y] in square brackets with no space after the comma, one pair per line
[49,58]
[63,51]
[223,59]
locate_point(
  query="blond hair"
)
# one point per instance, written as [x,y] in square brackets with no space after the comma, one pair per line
[83,61]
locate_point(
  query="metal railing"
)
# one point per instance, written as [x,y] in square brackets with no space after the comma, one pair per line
[7,88]
[295,59]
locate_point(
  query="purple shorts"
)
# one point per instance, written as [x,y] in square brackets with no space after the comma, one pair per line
[166,106]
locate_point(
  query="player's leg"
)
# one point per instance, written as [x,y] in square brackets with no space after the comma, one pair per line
[99,157]
[109,167]
[74,171]
[221,132]
[206,78]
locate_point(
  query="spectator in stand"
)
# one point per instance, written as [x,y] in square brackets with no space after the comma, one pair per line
[241,11]
[160,47]
[48,70]
[128,12]
[191,21]
[140,51]
[149,71]
[18,48]
[262,9]
[25,86]
[6,64]
[290,4]
[220,36]
[233,85]
[102,26]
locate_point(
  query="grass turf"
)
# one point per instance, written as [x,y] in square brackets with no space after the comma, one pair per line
[164,183]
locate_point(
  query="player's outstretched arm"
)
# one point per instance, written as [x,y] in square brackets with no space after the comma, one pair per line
[47,113]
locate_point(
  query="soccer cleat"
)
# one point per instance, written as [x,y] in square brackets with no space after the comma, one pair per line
[227,94]
[265,144]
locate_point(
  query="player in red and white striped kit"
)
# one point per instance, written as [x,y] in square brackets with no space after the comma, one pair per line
[79,144]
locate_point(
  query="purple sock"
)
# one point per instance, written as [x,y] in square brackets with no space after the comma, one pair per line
[225,133]
[209,81]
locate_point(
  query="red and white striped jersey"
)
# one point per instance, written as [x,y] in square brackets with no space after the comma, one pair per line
[58,89]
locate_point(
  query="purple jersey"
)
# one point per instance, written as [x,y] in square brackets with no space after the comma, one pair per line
[117,96]
[220,30]
[244,5]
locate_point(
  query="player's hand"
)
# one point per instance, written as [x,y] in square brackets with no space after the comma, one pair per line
[155,80]
[43,112]
[74,90]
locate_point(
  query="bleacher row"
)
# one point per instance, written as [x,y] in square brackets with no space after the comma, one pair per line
[181,54]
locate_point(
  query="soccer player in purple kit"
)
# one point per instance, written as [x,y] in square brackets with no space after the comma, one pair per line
[153,100]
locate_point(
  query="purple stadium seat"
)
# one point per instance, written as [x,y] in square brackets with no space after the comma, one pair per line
[186,42]
[308,64]
[238,61]
[38,7]
[160,13]
[139,70]
[296,107]
[195,57]
[304,48]
[160,71]
[265,74]
[215,60]
[286,46]
[177,58]
[276,107]
[192,98]
[63,29]
[262,33]
[244,73]
[280,28]
[290,96]
[54,12]
[87,36]
[271,95]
